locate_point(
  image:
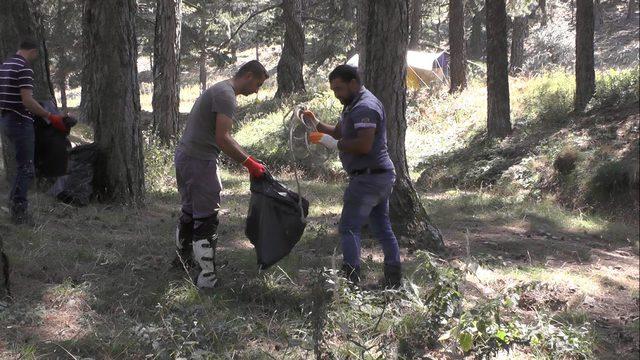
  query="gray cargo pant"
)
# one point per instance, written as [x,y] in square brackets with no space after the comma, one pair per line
[199,185]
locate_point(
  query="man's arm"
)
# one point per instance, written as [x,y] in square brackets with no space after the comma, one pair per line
[31,104]
[361,144]
[225,142]
[333,130]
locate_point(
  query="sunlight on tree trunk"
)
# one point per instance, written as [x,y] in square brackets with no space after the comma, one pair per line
[457,63]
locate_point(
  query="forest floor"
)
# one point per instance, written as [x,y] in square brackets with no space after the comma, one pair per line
[95,282]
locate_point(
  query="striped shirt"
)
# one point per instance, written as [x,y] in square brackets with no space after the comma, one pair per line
[15,74]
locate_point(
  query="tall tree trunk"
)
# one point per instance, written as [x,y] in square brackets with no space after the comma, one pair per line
[518,36]
[598,16]
[202,61]
[19,19]
[348,9]
[631,9]
[385,75]
[166,70]
[62,86]
[542,4]
[290,79]
[438,38]
[477,40]
[457,62]
[203,70]
[415,24]
[585,73]
[498,108]
[361,43]
[114,99]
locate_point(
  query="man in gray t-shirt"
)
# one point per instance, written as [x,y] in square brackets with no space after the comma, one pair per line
[208,132]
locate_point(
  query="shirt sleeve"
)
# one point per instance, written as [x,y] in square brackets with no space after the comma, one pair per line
[25,78]
[365,118]
[225,104]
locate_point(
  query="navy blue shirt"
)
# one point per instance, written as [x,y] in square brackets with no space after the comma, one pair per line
[365,112]
[15,74]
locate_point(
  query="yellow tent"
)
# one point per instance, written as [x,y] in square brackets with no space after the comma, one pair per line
[423,68]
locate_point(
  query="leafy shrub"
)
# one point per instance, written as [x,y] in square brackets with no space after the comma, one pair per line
[616,88]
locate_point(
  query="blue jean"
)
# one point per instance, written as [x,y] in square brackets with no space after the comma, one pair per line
[21,133]
[367,198]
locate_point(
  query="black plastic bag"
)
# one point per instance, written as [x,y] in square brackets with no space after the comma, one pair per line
[52,147]
[77,186]
[276,221]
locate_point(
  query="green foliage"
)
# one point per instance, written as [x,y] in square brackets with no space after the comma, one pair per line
[159,168]
[612,178]
[615,88]
[556,340]
[548,97]
[489,327]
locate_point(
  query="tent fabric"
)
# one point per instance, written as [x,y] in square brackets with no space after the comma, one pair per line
[423,68]
[276,220]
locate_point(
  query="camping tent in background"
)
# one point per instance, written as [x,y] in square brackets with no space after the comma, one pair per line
[424,68]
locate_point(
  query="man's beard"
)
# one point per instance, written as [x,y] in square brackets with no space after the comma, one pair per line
[349,100]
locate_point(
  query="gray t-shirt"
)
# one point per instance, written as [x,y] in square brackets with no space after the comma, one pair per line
[199,138]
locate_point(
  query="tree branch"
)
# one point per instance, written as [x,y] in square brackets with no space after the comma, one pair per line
[226,42]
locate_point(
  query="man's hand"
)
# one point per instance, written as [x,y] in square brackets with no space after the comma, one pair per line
[57,122]
[256,169]
[323,139]
[308,115]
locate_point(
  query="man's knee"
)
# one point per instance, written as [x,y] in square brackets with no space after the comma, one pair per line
[205,227]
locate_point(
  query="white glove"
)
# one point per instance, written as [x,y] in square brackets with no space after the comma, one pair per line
[323,139]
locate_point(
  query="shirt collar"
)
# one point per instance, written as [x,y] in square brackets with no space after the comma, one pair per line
[356,99]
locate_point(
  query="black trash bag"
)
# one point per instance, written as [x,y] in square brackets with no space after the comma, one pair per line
[52,147]
[76,187]
[275,222]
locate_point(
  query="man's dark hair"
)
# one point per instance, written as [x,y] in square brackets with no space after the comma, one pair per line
[28,45]
[346,73]
[254,67]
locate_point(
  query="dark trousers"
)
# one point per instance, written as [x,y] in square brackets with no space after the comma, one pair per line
[20,133]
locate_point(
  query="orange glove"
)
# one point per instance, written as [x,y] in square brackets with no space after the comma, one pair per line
[256,169]
[57,123]
[323,139]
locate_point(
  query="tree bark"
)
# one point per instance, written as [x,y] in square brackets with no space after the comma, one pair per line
[385,75]
[166,70]
[477,41]
[114,99]
[415,24]
[542,4]
[518,37]
[290,79]
[361,46]
[20,19]
[585,73]
[631,9]
[498,108]
[598,18]
[62,86]
[457,63]
[202,61]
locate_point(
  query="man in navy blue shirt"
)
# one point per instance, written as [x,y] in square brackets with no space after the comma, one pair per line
[17,107]
[361,138]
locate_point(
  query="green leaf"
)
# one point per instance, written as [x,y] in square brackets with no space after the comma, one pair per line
[501,335]
[466,341]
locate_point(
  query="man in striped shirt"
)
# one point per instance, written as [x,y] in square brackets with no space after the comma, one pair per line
[17,107]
